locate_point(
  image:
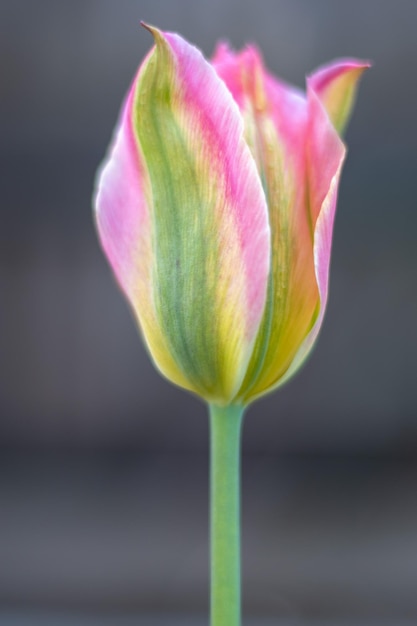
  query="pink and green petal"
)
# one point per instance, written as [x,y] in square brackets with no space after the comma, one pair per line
[299,156]
[124,225]
[325,156]
[276,124]
[331,93]
[207,242]
[336,85]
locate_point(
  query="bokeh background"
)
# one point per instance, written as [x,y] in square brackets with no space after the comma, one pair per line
[103,465]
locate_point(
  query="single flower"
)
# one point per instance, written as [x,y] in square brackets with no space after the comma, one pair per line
[215,208]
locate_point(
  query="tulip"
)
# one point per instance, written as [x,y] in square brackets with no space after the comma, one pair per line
[215,208]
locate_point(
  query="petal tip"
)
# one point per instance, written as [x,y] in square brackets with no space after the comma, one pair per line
[335,84]
[222,50]
[156,33]
[322,78]
[148,27]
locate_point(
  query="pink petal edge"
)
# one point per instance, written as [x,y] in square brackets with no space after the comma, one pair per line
[326,74]
[121,211]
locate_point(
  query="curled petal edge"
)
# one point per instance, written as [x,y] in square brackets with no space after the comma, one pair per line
[336,86]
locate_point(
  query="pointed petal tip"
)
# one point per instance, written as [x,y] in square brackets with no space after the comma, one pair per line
[153,30]
[222,49]
[335,84]
[147,26]
[224,52]
[340,66]
[325,76]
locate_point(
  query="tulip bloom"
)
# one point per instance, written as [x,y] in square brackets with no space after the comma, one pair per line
[215,208]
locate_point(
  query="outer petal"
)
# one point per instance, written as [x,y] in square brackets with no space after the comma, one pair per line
[196,275]
[325,156]
[299,155]
[331,94]
[276,123]
[124,223]
[336,85]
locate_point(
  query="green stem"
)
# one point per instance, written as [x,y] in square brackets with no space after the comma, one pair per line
[225,429]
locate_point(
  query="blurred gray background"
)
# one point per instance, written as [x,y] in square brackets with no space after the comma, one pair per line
[103,465]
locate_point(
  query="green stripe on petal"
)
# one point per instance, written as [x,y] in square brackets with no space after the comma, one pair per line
[206,201]
[276,119]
